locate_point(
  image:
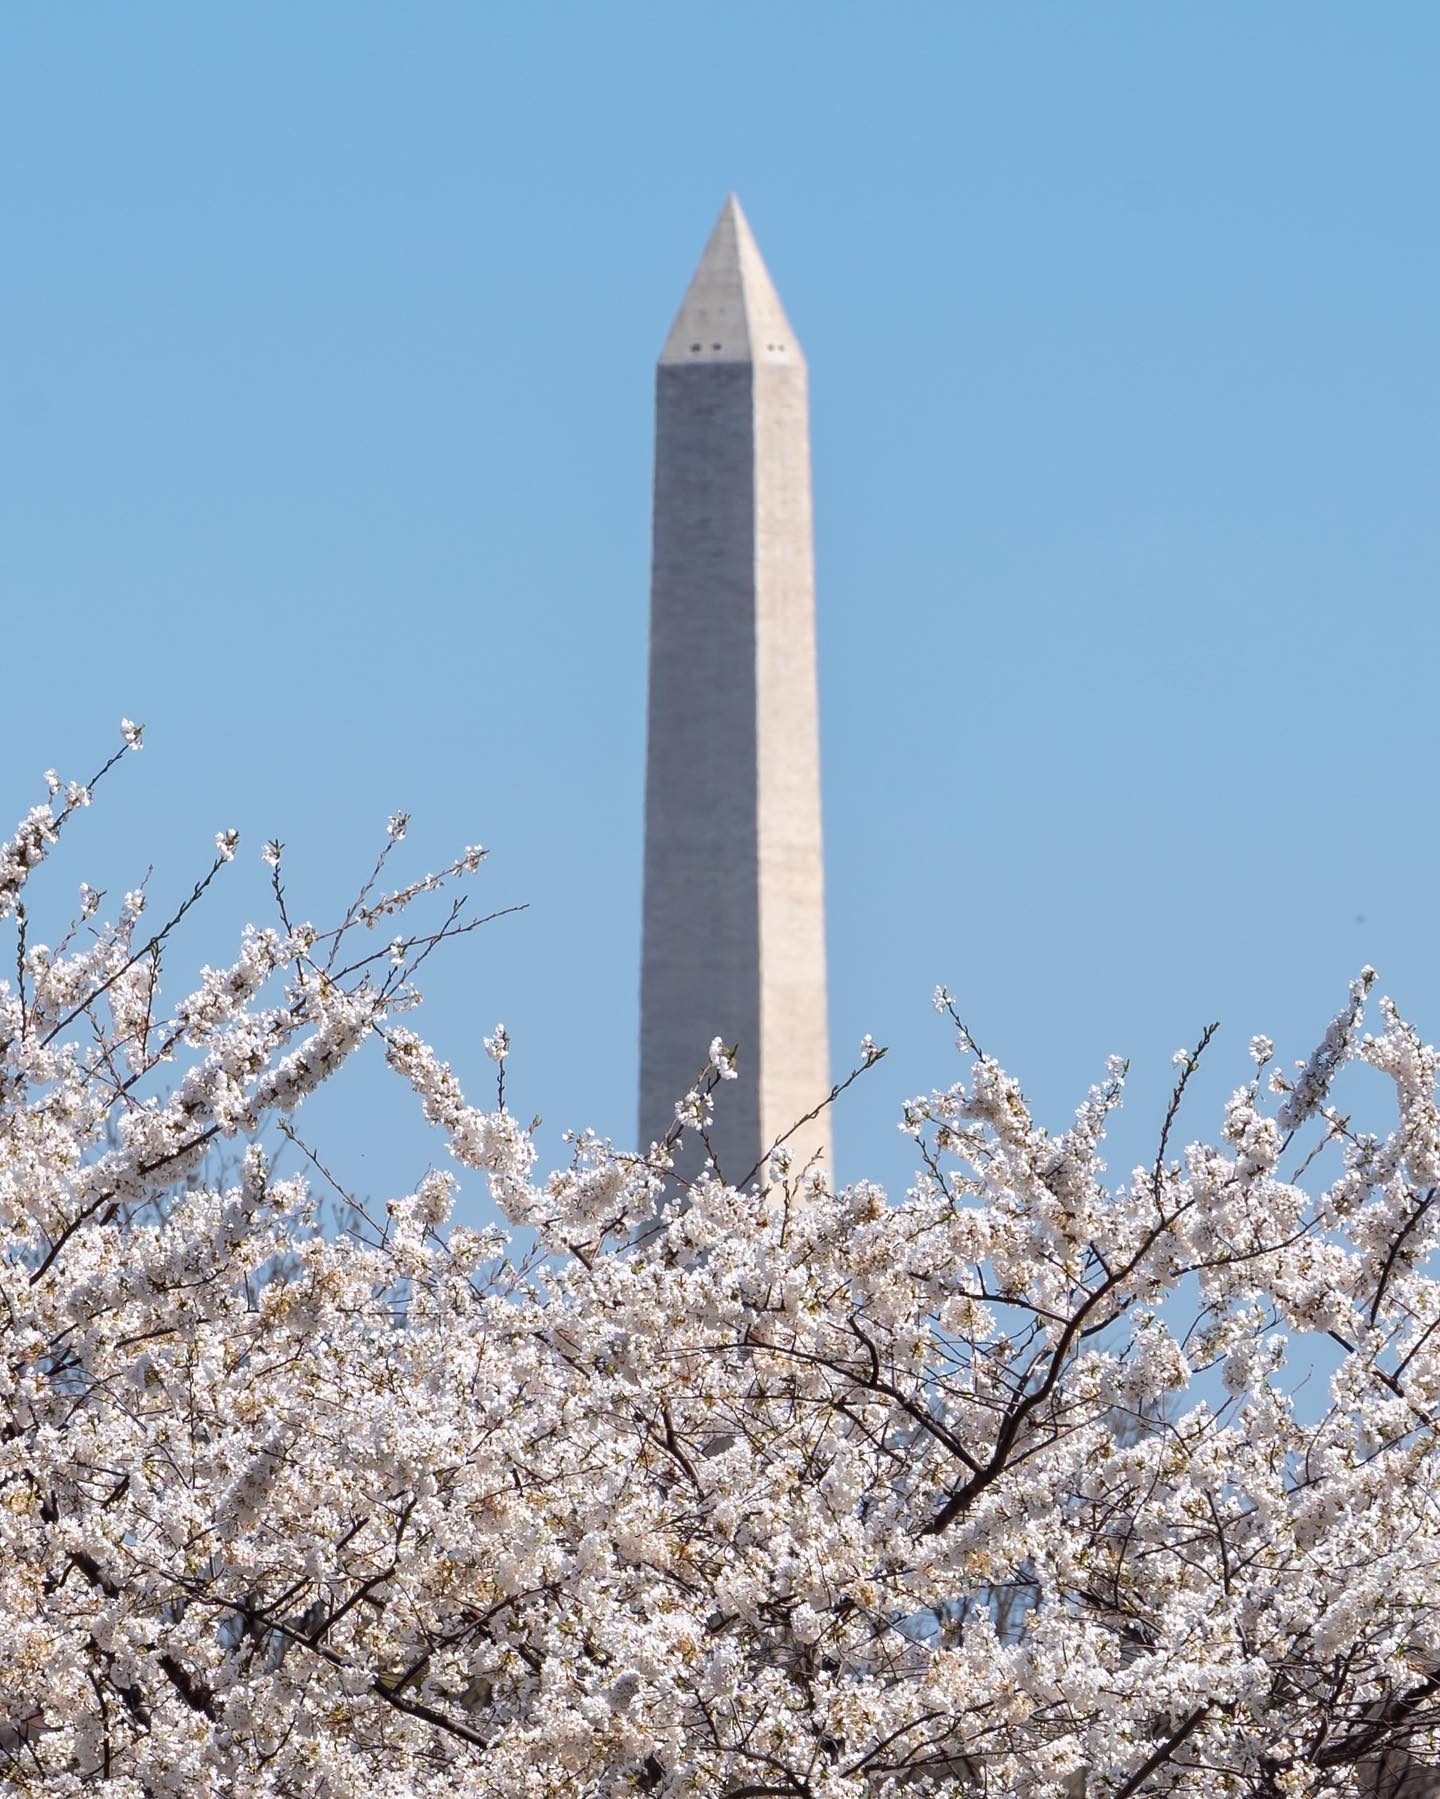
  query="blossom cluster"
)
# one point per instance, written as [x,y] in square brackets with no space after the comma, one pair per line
[1012,1484]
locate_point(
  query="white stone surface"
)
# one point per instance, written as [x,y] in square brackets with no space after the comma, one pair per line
[734,935]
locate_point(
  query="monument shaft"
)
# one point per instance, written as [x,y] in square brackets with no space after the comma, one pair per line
[734,932]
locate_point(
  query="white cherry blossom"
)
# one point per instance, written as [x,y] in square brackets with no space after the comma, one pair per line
[1029,1481]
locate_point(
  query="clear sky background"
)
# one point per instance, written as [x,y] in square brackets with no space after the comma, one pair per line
[325,436]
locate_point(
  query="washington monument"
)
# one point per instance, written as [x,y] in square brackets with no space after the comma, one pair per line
[734,914]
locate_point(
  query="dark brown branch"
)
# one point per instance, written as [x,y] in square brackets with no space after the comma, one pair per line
[1192,1062]
[1162,1755]
[1395,1248]
[146,949]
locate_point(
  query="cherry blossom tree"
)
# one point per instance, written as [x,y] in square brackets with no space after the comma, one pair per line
[1000,1486]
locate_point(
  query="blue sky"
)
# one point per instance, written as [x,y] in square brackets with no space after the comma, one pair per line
[325,417]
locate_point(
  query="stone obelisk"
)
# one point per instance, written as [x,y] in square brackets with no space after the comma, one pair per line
[734,931]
